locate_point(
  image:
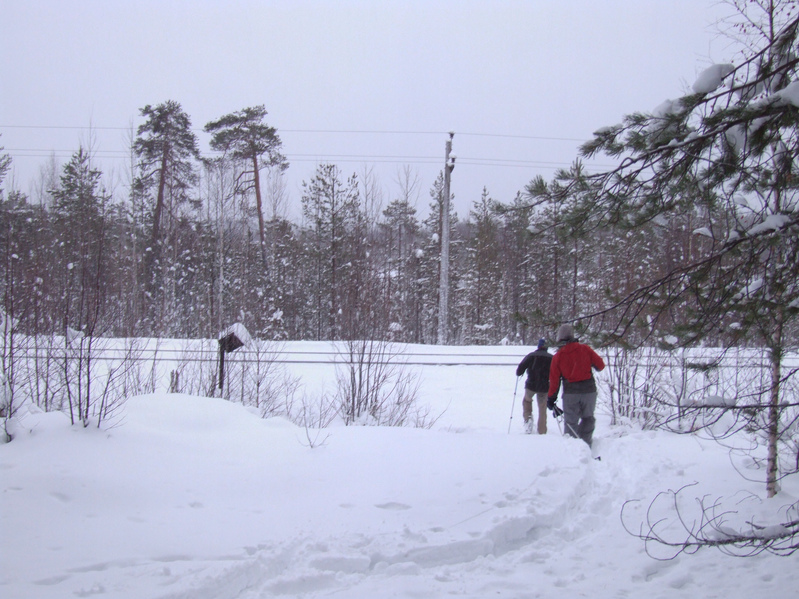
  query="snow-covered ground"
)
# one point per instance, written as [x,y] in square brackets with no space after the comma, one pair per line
[192,497]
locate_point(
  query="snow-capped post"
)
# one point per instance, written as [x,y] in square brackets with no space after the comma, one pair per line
[231,339]
[443,288]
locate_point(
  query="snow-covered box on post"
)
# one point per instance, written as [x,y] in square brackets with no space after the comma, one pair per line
[232,338]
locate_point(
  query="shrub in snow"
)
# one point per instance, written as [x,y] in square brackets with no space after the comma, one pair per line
[373,387]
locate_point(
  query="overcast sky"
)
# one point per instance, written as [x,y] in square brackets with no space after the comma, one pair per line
[521,83]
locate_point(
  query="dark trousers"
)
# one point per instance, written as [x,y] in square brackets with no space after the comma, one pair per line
[578,415]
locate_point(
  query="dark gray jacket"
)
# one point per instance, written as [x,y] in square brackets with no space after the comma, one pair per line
[537,366]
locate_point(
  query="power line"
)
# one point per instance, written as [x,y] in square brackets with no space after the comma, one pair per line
[389,132]
[537,137]
[43,151]
[335,158]
[324,131]
[300,158]
[89,127]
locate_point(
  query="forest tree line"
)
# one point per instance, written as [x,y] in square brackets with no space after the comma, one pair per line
[195,243]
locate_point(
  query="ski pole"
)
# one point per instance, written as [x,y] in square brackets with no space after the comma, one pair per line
[573,432]
[513,406]
[567,425]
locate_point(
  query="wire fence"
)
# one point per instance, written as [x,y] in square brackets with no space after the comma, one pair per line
[90,378]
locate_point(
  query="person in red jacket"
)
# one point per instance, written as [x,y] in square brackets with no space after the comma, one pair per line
[574,364]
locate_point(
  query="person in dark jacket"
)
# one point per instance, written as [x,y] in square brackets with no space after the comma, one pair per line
[574,364]
[536,364]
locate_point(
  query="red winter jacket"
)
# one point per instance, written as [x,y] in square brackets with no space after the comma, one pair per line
[573,364]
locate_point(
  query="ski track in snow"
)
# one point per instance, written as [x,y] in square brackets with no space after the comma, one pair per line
[522,527]
[527,533]
[526,530]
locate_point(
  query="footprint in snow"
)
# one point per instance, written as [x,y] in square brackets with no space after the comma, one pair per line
[392,505]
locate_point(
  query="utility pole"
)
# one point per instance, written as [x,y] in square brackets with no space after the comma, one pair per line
[443,287]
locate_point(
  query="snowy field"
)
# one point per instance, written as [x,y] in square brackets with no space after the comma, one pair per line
[182,496]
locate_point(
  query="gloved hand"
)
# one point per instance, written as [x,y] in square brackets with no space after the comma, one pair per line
[556,411]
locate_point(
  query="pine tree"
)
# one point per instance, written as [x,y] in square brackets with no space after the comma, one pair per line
[166,150]
[244,136]
[480,281]
[519,271]
[331,208]
[79,213]
[400,231]
[555,253]
[5,165]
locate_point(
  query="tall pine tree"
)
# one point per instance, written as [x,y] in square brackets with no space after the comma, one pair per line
[245,136]
[166,150]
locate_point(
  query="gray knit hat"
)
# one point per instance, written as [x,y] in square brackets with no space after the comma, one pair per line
[565,333]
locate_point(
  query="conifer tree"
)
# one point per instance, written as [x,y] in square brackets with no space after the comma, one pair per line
[5,164]
[520,272]
[166,150]
[480,280]
[331,208]
[245,136]
[400,230]
[79,214]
